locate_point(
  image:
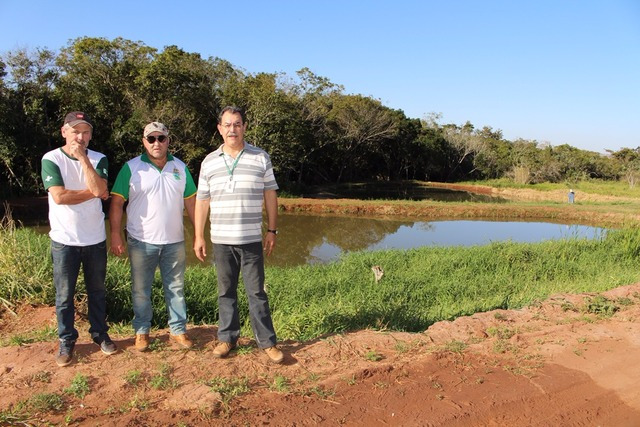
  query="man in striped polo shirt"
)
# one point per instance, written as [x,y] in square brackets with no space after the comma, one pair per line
[234,180]
[158,187]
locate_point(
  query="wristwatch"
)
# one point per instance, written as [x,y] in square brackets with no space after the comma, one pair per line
[272,231]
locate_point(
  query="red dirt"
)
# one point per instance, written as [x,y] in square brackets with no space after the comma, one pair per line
[540,366]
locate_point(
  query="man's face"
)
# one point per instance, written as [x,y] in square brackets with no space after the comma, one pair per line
[232,129]
[156,149]
[79,134]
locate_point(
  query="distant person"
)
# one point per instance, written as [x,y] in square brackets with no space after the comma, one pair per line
[234,181]
[76,180]
[158,188]
[572,196]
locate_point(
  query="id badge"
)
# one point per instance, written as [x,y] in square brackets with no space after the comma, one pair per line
[231,185]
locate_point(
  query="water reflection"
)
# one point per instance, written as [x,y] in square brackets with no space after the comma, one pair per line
[310,239]
[318,239]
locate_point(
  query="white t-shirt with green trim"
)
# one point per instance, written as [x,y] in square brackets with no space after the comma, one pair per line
[81,224]
[156,198]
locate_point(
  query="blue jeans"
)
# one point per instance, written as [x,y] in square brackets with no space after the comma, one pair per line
[145,258]
[230,260]
[66,268]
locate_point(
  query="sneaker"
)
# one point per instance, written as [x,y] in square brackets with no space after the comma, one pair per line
[106,345]
[182,340]
[142,342]
[223,349]
[275,355]
[65,354]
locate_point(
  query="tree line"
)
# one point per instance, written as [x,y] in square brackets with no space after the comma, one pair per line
[315,132]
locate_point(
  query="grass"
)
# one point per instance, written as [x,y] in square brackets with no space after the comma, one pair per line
[373,356]
[157,345]
[229,388]
[41,403]
[281,384]
[133,377]
[137,403]
[162,380]
[48,333]
[600,305]
[594,186]
[420,286]
[25,268]
[79,386]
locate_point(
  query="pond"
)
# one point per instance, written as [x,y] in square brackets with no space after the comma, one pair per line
[311,239]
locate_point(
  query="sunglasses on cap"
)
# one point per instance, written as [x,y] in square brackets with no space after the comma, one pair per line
[152,139]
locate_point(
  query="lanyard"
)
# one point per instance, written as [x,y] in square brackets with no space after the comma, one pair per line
[233,167]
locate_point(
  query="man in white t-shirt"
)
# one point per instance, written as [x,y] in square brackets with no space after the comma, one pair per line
[76,180]
[158,187]
[234,182]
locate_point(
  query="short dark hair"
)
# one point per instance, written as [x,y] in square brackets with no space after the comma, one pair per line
[233,110]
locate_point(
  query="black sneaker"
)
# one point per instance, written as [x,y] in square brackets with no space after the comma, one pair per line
[65,354]
[106,345]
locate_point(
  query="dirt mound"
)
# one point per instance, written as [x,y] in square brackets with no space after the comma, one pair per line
[571,360]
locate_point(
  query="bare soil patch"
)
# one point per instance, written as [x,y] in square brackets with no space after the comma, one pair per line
[548,364]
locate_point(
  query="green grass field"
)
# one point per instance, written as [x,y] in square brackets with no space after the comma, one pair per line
[594,186]
[419,286]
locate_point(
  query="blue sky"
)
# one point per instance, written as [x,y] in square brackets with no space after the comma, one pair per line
[554,71]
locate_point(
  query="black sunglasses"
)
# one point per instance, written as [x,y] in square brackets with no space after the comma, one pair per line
[152,139]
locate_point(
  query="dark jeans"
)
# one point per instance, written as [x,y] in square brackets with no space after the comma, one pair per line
[230,260]
[66,267]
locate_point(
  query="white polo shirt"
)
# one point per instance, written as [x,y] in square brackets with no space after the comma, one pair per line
[156,198]
[81,224]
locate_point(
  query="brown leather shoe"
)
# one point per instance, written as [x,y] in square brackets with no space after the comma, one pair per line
[275,355]
[182,340]
[142,342]
[223,349]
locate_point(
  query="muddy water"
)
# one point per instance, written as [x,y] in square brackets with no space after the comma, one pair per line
[309,239]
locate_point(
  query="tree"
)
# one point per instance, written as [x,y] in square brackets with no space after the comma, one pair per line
[101,77]
[494,161]
[181,90]
[360,124]
[27,129]
[314,97]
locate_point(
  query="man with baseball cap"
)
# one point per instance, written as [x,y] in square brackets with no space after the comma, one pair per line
[76,180]
[157,186]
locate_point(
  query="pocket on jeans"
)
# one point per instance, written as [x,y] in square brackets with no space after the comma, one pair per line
[55,246]
[132,242]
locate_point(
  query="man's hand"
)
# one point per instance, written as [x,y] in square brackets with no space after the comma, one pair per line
[117,246]
[78,150]
[269,243]
[200,248]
